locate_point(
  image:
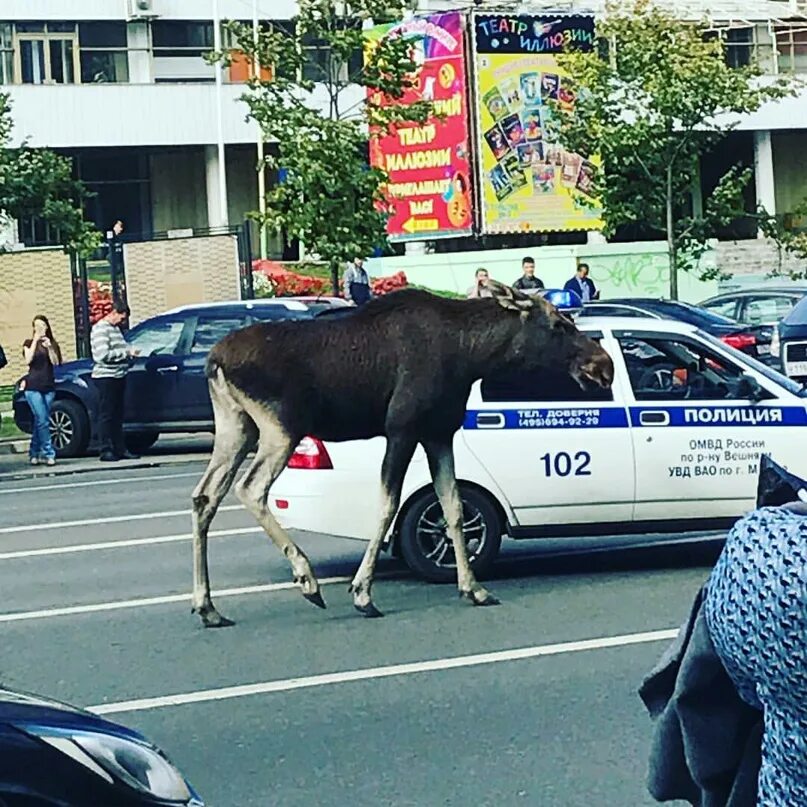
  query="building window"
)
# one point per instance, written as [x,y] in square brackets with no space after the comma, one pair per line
[46,53]
[179,48]
[791,46]
[6,53]
[104,55]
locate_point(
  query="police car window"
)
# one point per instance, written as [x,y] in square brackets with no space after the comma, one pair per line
[210,330]
[156,337]
[664,368]
[544,385]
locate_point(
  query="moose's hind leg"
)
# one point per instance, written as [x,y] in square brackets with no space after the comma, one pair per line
[275,446]
[441,465]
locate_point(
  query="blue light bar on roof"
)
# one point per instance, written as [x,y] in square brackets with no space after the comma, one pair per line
[562,298]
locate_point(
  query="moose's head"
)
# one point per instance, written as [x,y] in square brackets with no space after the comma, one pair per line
[548,338]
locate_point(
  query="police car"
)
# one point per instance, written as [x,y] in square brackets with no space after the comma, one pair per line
[673,445]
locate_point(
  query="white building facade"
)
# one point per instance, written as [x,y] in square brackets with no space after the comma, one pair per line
[122,87]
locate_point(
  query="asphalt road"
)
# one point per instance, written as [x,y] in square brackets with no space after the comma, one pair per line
[530,703]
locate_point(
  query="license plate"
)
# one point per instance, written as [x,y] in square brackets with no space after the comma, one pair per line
[763,350]
[796,368]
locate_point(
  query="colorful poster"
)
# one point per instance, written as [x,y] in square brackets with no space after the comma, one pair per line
[429,188]
[528,181]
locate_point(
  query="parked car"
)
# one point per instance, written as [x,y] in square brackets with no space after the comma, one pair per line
[760,306]
[55,754]
[790,342]
[674,445]
[166,390]
[755,341]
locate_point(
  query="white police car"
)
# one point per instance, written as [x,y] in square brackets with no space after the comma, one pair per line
[674,445]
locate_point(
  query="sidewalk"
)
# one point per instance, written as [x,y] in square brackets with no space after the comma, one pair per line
[170,450]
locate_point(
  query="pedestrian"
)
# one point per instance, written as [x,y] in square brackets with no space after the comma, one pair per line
[528,282]
[41,353]
[480,288]
[111,355]
[582,284]
[115,258]
[357,283]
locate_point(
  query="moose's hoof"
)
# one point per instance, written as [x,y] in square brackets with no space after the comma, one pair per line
[211,618]
[479,597]
[316,599]
[369,610]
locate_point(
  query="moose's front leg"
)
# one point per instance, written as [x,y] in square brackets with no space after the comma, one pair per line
[441,465]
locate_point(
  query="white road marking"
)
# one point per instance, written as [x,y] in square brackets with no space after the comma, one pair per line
[367,674]
[98,482]
[142,602]
[101,545]
[90,522]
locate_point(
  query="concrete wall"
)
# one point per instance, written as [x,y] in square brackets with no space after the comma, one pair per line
[619,270]
[751,263]
[31,283]
[242,181]
[790,169]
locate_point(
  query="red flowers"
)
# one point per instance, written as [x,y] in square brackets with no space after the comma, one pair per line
[272,279]
[100,297]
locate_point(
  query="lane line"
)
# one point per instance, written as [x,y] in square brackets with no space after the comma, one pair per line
[142,602]
[98,482]
[90,522]
[392,670]
[101,545]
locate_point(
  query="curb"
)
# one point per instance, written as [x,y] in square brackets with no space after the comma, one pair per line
[13,447]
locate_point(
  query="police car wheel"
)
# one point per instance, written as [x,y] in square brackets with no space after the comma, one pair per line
[426,547]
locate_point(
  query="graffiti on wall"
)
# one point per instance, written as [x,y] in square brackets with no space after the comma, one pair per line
[634,275]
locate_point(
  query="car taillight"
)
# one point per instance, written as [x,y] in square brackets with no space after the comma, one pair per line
[740,341]
[311,455]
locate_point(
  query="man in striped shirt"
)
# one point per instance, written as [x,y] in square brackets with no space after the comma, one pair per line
[111,355]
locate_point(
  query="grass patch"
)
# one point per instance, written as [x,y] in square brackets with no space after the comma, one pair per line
[6,394]
[9,430]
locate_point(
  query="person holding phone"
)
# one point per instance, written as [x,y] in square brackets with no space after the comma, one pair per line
[42,353]
[111,355]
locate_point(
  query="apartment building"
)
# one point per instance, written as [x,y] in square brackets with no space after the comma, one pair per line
[123,88]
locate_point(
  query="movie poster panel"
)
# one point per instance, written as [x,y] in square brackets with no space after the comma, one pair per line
[428,166]
[528,181]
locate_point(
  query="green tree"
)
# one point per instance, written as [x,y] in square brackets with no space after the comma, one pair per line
[38,182]
[657,95]
[318,108]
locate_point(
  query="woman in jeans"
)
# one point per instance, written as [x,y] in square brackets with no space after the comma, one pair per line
[42,354]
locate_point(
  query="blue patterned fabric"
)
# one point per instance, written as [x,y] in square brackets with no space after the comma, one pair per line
[756,611]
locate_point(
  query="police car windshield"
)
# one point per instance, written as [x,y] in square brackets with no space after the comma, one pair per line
[783,381]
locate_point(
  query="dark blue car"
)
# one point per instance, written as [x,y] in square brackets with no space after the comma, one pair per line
[52,755]
[166,389]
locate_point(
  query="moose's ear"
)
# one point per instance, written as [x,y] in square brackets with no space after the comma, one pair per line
[508,297]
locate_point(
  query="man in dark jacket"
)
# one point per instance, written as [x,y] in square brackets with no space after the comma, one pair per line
[582,285]
[528,282]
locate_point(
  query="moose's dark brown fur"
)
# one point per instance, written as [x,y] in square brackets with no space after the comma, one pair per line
[400,367]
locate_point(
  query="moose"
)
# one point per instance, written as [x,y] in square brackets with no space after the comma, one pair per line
[401,367]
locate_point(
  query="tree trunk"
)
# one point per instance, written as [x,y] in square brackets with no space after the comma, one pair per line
[335,277]
[671,244]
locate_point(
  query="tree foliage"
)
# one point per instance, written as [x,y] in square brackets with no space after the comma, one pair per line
[659,95]
[318,108]
[38,182]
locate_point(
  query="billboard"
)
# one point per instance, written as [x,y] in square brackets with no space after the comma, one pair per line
[428,165]
[527,181]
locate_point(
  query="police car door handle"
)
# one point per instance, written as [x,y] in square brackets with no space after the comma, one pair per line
[490,420]
[654,417]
